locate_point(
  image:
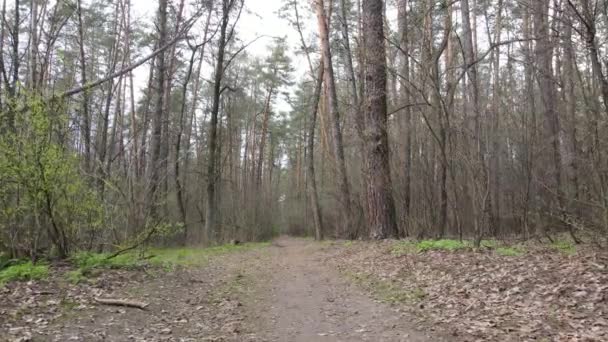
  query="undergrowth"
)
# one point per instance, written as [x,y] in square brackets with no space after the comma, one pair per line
[408,247]
[564,246]
[89,264]
[446,245]
[510,251]
[197,256]
[24,271]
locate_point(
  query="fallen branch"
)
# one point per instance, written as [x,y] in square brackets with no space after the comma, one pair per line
[133,246]
[122,302]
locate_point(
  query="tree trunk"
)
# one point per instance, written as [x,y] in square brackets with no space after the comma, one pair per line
[211,219]
[334,116]
[496,152]
[479,174]
[312,182]
[381,208]
[86,126]
[155,143]
[404,45]
[551,125]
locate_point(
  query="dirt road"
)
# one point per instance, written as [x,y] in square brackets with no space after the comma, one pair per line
[283,292]
[304,300]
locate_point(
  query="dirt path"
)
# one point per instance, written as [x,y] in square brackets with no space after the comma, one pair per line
[304,300]
[280,293]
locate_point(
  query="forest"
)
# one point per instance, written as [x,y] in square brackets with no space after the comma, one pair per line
[454,120]
[467,125]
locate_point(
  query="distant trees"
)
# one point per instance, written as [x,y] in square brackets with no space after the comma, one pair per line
[476,118]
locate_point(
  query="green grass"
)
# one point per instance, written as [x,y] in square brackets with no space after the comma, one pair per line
[510,251]
[441,245]
[489,244]
[197,256]
[408,247]
[24,271]
[87,263]
[564,246]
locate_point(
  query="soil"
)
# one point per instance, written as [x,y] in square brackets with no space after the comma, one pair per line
[285,292]
[301,290]
[305,300]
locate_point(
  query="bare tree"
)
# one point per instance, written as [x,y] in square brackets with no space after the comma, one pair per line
[334,115]
[381,208]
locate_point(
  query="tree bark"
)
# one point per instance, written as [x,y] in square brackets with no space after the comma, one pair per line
[86,129]
[381,208]
[404,45]
[334,116]
[155,143]
[211,217]
[551,126]
[312,182]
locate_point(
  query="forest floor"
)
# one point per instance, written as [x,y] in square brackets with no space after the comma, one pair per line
[300,290]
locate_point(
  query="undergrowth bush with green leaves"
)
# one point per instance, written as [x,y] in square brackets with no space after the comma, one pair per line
[55,202]
[24,271]
[445,244]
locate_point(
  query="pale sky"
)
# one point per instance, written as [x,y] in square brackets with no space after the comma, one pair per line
[259,18]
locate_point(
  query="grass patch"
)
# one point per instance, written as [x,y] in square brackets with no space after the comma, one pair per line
[492,244]
[510,251]
[24,271]
[386,291]
[564,246]
[445,245]
[408,247]
[89,263]
[76,276]
[198,256]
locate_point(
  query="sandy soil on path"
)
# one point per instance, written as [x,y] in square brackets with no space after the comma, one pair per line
[304,300]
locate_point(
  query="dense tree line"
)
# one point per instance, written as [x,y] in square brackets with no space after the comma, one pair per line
[421,118]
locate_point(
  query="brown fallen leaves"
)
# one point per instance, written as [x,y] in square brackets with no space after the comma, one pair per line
[29,309]
[481,296]
[183,306]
